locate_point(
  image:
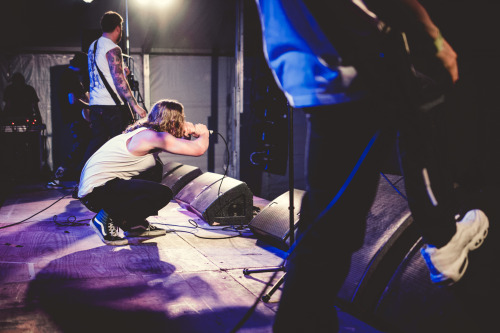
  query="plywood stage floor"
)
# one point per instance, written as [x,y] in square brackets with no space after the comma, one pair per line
[56,275]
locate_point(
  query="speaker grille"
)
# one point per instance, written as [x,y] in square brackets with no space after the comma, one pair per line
[219,200]
[272,224]
[177,175]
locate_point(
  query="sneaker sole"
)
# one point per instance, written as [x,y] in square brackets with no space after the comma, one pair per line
[54,187]
[107,242]
[475,243]
[445,280]
[146,233]
[478,241]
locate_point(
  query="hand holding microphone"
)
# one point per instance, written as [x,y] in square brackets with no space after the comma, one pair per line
[200,129]
[194,130]
[188,129]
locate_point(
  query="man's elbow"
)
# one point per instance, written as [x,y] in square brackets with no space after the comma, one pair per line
[201,149]
[199,152]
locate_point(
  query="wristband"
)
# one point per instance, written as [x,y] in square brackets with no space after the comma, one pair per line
[439,42]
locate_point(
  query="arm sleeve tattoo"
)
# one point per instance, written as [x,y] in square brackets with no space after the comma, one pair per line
[115,62]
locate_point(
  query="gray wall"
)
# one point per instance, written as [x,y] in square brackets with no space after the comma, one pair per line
[203,84]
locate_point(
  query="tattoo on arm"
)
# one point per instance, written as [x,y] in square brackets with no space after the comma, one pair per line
[115,62]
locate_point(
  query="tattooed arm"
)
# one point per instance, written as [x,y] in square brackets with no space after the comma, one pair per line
[115,62]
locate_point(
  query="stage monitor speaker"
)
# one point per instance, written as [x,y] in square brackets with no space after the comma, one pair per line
[390,235]
[272,224]
[22,152]
[177,175]
[407,300]
[217,199]
[411,303]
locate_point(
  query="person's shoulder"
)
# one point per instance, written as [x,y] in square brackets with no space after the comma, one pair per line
[30,88]
[145,137]
[68,74]
[108,44]
[153,136]
[143,132]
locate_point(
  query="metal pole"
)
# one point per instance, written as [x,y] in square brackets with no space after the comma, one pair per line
[291,178]
[238,93]
[127,43]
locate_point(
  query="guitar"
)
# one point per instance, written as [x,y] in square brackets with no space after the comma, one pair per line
[380,53]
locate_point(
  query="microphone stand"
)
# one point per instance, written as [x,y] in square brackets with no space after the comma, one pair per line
[134,85]
[291,210]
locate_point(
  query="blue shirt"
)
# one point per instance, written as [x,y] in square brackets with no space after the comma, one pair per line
[294,47]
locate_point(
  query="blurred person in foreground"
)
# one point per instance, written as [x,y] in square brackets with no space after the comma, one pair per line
[346,65]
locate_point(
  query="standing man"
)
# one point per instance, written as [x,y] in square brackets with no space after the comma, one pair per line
[110,93]
[21,102]
[74,102]
[337,62]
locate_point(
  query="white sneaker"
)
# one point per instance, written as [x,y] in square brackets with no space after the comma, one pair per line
[448,264]
[54,184]
[144,229]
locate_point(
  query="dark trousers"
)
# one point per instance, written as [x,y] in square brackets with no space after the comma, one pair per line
[337,137]
[131,200]
[107,121]
[80,134]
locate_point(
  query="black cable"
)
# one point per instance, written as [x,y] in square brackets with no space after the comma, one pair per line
[71,221]
[227,162]
[26,219]
[209,238]
[196,226]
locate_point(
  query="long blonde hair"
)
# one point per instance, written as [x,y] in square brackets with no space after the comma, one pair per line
[167,115]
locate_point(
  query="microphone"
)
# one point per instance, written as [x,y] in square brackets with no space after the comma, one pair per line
[189,136]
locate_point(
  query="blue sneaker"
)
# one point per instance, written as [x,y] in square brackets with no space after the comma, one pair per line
[107,231]
[448,264]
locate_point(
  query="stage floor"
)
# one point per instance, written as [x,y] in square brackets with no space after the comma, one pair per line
[56,275]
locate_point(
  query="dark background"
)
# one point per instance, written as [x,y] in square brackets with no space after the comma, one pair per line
[205,26]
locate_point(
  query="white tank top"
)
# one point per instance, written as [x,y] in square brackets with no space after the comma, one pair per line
[113,160]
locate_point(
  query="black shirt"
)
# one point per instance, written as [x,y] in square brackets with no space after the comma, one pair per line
[20,101]
[71,82]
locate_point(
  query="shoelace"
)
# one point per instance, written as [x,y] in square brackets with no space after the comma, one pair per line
[112,229]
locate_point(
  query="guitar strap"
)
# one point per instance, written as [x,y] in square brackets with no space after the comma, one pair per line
[125,107]
[106,84]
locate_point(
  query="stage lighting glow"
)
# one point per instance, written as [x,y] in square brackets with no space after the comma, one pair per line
[88,1]
[156,3]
